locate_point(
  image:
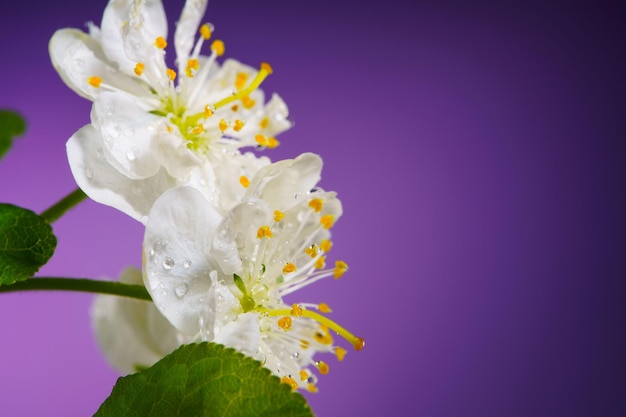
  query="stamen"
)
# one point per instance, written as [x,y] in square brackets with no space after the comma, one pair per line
[264,122]
[311,251]
[323,367]
[208,111]
[218,47]
[296,310]
[327,221]
[325,245]
[285,323]
[261,139]
[272,142]
[324,308]
[289,268]
[198,129]
[139,67]
[304,375]
[247,102]
[340,353]
[223,125]
[205,31]
[240,80]
[244,181]
[239,124]
[264,231]
[311,388]
[320,263]
[357,342]
[278,215]
[160,42]
[171,74]
[192,66]
[340,268]
[264,71]
[316,204]
[324,336]
[94,81]
[290,381]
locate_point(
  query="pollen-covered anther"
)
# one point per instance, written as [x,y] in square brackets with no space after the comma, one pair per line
[296,310]
[239,124]
[196,130]
[323,367]
[340,353]
[289,268]
[304,344]
[264,123]
[223,125]
[340,268]
[311,251]
[139,67]
[160,42]
[327,221]
[240,80]
[316,204]
[278,215]
[285,323]
[312,388]
[94,81]
[208,111]
[244,181]
[304,375]
[272,142]
[321,262]
[205,31]
[324,308]
[218,47]
[324,337]
[261,140]
[171,74]
[326,245]
[290,381]
[264,231]
[193,65]
[247,102]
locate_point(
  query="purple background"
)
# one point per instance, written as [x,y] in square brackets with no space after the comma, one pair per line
[479,153]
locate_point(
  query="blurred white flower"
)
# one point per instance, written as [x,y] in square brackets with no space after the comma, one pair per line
[155,126]
[223,278]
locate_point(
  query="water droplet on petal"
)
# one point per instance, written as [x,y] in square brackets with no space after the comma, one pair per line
[187,264]
[88,173]
[181,290]
[130,155]
[168,263]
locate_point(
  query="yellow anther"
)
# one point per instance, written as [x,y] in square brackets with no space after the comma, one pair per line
[244,181]
[160,42]
[171,74]
[223,125]
[321,262]
[247,102]
[264,122]
[218,47]
[235,107]
[205,31]
[240,80]
[324,308]
[323,367]
[239,124]
[289,381]
[208,112]
[94,81]
[340,268]
[304,375]
[264,231]
[327,221]
[325,245]
[304,344]
[169,129]
[198,129]
[267,68]
[311,388]
[324,336]
[261,139]
[289,268]
[278,215]
[285,323]
[311,251]
[340,353]
[139,67]
[296,310]
[272,142]
[316,204]
[193,65]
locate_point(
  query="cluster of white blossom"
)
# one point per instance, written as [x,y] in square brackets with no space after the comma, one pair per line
[227,233]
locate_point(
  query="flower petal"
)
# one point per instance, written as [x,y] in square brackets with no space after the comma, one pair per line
[242,334]
[176,267]
[105,184]
[186,30]
[131,333]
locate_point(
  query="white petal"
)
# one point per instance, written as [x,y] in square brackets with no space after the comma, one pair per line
[242,334]
[186,30]
[127,131]
[77,56]
[130,332]
[176,265]
[282,183]
[105,184]
[130,27]
[173,154]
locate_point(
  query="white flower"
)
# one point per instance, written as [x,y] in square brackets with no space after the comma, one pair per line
[157,125]
[223,278]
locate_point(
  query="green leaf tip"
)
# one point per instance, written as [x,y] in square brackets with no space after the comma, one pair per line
[204,379]
[12,125]
[26,243]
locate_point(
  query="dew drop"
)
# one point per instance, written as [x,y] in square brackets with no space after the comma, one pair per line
[181,290]
[187,264]
[88,173]
[130,155]
[168,263]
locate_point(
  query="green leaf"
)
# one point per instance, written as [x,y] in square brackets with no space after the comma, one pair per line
[26,243]
[11,125]
[204,379]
